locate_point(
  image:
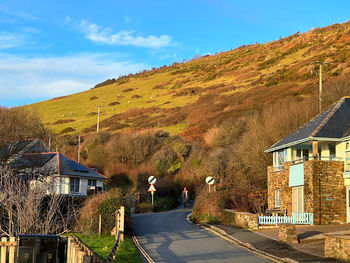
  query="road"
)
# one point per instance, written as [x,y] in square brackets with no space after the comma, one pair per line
[168,237]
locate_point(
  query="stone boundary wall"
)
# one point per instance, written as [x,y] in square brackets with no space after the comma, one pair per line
[337,246]
[245,219]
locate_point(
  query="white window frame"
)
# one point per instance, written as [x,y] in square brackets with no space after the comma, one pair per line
[75,182]
[279,157]
[277,198]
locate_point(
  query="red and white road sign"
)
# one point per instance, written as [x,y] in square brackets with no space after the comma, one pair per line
[151,188]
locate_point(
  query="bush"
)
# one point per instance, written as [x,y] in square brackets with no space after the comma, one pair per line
[144,208]
[164,204]
[105,204]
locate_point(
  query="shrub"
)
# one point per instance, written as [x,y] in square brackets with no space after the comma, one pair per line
[144,208]
[114,103]
[94,98]
[67,130]
[60,121]
[105,204]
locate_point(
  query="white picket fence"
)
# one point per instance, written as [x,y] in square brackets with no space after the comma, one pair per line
[296,218]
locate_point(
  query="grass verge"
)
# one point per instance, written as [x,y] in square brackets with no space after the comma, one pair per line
[103,245]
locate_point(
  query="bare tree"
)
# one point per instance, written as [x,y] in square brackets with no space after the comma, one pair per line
[28,204]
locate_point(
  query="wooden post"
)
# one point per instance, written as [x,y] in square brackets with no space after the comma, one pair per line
[98,119]
[99,225]
[79,148]
[320,89]
[122,211]
[117,216]
[3,250]
[69,250]
[12,250]
[315,149]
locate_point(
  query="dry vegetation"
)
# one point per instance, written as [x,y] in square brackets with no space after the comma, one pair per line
[195,96]
[226,109]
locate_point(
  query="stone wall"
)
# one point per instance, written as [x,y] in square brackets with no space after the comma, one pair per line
[245,219]
[279,180]
[324,190]
[337,246]
[327,194]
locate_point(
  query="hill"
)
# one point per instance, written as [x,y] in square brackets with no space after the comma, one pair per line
[193,96]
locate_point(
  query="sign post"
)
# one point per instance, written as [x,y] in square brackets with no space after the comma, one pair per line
[152,189]
[152,180]
[209,180]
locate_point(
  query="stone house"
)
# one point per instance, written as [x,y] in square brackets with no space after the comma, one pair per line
[68,177]
[311,168]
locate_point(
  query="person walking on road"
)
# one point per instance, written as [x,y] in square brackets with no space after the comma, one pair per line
[184,196]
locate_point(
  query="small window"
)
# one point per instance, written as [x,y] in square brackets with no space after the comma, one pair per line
[91,182]
[277,198]
[74,184]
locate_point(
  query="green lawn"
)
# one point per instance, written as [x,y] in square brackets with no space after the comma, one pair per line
[127,252]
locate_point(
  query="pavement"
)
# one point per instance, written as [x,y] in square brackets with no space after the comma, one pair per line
[267,244]
[169,237]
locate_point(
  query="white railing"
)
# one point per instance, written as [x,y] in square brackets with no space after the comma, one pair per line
[296,218]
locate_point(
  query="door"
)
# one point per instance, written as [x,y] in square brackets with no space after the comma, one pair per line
[298,199]
[348,204]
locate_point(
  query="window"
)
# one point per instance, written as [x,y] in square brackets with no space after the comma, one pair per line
[277,198]
[302,155]
[74,184]
[278,159]
[91,182]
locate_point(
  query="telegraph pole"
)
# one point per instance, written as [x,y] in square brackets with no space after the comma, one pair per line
[320,84]
[79,147]
[98,118]
[320,89]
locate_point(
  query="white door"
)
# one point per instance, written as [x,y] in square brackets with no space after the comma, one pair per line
[298,199]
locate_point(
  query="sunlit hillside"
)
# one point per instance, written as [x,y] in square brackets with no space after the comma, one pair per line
[193,96]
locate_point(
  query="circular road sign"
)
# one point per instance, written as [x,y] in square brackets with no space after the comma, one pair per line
[209,180]
[152,180]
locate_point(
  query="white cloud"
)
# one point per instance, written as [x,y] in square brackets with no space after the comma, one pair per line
[99,34]
[29,79]
[11,40]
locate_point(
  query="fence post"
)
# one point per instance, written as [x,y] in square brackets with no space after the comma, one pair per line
[3,250]
[99,225]
[12,250]
[116,223]
[122,211]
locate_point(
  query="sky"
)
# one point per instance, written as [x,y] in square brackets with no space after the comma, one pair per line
[59,47]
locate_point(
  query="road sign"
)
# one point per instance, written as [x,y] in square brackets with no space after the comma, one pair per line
[151,188]
[152,180]
[209,180]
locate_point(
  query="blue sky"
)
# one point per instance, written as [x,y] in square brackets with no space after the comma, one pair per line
[54,48]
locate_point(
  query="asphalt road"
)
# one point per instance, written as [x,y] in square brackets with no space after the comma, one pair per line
[168,237]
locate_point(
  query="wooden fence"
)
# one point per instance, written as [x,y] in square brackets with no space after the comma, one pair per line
[8,248]
[79,252]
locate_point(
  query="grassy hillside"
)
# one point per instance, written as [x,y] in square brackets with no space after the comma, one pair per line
[191,97]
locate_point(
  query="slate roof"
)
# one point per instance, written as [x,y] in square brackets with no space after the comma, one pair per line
[55,163]
[20,147]
[332,123]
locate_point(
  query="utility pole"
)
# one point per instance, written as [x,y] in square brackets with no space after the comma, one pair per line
[320,90]
[98,118]
[79,147]
[320,84]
